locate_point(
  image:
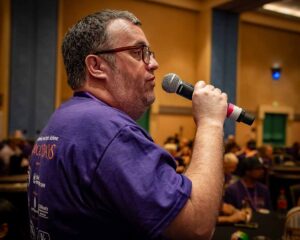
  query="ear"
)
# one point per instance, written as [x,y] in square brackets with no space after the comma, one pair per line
[3,230]
[96,66]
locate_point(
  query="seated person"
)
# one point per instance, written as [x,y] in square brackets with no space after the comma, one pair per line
[266,153]
[248,190]
[292,224]
[232,147]
[9,222]
[185,155]
[229,214]
[230,165]
[172,148]
[249,151]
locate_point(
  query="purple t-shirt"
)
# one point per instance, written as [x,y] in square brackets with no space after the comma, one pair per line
[258,197]
[95,174]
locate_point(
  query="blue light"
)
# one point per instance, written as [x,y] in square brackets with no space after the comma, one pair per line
[276,73]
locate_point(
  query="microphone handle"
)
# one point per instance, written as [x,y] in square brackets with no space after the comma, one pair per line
[186,90]
[234,112]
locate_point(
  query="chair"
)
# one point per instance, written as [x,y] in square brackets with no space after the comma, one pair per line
[295,193]
[292,225]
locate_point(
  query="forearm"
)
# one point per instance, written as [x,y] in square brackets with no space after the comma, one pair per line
[206,174]
[198,217]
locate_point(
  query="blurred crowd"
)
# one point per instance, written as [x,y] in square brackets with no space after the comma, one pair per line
[14,154]
[246,174]
[181,149]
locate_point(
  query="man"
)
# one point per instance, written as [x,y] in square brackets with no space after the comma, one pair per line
[248,190]
[230,164]
[229,214]
[94,173]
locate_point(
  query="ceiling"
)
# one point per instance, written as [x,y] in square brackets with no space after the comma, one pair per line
[288,8]
[243,5]
[284,8]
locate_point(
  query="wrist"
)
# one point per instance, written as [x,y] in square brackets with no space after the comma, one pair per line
[209,123]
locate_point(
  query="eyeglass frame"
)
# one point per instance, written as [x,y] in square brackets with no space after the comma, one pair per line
[121,49]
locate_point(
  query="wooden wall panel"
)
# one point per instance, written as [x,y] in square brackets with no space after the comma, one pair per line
[260,48]
[168,125]
[4,65]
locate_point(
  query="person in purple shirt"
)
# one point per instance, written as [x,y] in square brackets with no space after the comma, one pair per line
[248,191]
[94,173]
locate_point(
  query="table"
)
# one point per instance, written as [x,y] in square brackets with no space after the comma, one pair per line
[270,225]
[13,183]
[282,177]
[14,178]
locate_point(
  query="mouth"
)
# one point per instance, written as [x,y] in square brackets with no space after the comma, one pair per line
[151,79]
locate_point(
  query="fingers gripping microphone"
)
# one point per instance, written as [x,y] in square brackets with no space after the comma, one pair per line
[173,84]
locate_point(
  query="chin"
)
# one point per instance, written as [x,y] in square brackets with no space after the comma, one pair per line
[150,99]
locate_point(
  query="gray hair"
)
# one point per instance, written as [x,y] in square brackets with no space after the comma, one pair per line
[230,158]
[88,36]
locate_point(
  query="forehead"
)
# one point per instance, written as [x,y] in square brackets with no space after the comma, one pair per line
[125,33]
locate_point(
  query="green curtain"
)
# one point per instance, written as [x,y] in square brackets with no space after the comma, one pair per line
[275,129]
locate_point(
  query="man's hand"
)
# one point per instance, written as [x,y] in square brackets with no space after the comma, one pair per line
[209,104]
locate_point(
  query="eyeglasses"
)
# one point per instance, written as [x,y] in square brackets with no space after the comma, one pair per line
[146,52]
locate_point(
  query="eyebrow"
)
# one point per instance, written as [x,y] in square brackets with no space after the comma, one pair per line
[140,43]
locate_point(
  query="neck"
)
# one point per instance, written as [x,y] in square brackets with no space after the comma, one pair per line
[249,183]
[99,93]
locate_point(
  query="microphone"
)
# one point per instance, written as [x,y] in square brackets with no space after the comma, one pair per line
[173,84]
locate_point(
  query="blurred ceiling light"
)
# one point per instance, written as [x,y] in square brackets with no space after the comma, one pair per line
[283,9]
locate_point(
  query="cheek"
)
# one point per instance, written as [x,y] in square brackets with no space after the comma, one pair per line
[127,84]
[132,82]
[139,87]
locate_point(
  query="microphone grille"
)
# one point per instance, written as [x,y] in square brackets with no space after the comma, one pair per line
[171,82]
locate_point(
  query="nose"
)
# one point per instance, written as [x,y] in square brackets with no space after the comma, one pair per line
[153,64]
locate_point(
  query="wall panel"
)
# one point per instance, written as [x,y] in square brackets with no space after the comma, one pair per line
[4,65]
[260,48]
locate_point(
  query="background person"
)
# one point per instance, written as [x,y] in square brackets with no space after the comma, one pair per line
[230,164]
[248,190]
[94,173]
[10,228]
[230,214]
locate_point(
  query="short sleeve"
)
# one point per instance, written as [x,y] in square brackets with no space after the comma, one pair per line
[231,196]
[138,179]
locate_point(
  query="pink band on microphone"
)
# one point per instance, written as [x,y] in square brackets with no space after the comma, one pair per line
[230,109]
